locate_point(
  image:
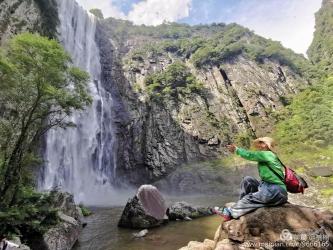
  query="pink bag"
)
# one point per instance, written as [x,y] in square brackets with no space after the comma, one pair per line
[294,182]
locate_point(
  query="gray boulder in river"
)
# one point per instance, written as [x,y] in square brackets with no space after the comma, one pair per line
[134,216]
[147,209]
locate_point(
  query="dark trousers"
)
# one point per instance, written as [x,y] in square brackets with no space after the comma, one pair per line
[255,194]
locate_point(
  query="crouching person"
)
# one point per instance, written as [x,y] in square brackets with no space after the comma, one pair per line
[269,191]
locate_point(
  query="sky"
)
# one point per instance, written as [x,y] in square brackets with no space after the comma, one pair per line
[289,21]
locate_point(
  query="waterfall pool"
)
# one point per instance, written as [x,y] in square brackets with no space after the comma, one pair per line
[102,233]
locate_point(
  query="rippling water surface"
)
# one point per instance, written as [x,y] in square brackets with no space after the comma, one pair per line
[102,231]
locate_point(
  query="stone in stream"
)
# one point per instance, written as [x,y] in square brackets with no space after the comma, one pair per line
[141,234]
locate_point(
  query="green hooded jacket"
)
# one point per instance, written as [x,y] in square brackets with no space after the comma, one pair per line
[265,159]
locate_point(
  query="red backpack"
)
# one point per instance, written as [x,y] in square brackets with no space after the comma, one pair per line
[294,182]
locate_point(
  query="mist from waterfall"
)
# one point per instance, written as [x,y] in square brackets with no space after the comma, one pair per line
[82,160]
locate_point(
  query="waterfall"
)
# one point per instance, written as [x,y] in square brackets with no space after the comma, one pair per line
[82,160]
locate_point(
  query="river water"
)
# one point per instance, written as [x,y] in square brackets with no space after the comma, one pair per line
[102,233]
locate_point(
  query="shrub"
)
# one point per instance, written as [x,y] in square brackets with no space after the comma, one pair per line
[85,211]
[32,215]
[244,139]
[97,12]
[175,80]
[309,116]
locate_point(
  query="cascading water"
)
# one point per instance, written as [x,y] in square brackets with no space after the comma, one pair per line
[82,160]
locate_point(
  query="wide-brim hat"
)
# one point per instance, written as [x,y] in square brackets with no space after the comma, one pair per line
[267,140]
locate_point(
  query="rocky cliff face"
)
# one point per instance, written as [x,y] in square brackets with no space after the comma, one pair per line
[155,135]
[17,16]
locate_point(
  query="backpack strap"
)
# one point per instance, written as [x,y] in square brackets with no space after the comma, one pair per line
[278,175]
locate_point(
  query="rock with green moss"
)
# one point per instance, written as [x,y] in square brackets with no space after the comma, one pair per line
[65,233]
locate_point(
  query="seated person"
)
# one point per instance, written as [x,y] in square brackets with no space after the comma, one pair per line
[270,191]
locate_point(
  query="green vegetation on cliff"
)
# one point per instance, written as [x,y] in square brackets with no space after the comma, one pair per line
[126,29]
[236,40]
[308,119]
[304,129]
[176,79]
[208,46]
[321,49]
[97,12]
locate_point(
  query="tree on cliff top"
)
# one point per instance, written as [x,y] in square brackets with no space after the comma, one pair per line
[97,13]
[39,89]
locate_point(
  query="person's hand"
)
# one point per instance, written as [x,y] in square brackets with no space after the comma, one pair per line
[232,148]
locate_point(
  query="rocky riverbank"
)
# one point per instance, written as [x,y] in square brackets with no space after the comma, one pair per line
[310,212]
[284,226]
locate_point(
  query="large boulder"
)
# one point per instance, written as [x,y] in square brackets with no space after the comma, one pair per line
[65,203]
[183,210]
[64,235]
[147,209]
[283,227]
[134,216]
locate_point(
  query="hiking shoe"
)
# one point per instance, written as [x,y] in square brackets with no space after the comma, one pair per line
[223,212]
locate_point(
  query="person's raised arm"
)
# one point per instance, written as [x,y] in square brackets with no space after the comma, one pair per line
[258,156]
